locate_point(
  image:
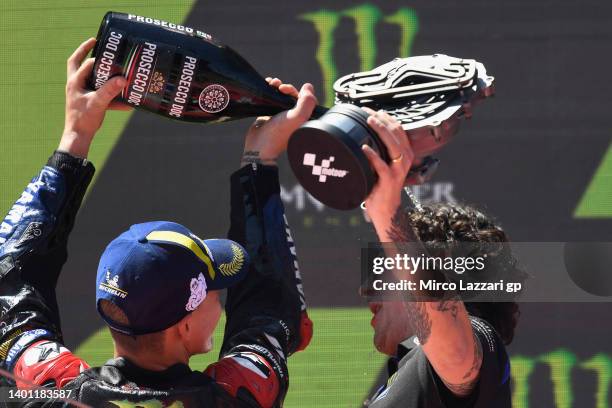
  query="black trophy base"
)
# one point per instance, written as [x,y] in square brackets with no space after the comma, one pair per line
[326,157]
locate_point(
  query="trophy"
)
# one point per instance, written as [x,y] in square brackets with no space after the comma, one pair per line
[428,95]
[185,74]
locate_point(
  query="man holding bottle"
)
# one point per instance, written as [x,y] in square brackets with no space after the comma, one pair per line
[158,283]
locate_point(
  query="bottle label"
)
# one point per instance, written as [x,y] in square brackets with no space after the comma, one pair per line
[106,65]
[214,98]
[148,67]
[181,97]
[179,72]
[161,78]
[171,26]
[141,74]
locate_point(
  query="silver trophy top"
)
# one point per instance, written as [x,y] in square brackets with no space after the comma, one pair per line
[422,91]
[427,94]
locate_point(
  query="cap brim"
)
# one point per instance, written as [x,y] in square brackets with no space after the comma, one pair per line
[230,263]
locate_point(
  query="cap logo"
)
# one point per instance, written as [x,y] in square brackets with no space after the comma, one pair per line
[233,267]
[184,241]
[114,282]
[198,293]
[112,285]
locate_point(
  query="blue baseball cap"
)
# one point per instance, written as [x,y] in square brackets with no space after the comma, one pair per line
[159,272]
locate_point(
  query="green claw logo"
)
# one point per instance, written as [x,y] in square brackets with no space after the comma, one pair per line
[366,17]
[561,362]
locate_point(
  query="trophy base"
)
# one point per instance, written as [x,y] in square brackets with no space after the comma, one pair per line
[326,157]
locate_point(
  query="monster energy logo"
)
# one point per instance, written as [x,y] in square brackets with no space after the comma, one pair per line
[561,362]
[365,17]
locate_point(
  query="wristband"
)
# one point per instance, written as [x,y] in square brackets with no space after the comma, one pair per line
[69,166]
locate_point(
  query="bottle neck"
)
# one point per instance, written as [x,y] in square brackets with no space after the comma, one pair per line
[318,112]
[289,102]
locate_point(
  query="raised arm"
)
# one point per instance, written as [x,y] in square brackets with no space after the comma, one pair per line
[443,328]
[266,312]
[34,236]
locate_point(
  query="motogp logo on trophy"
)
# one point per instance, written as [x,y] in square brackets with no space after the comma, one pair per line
[323,170]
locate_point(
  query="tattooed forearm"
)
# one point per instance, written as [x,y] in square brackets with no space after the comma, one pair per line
[442,308]
[400,232]
[419,320]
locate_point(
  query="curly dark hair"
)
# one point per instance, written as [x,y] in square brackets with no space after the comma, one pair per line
[443,223]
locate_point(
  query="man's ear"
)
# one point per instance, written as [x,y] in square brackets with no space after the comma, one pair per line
[184,327]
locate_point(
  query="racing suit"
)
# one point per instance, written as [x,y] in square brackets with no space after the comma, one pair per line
[266,312]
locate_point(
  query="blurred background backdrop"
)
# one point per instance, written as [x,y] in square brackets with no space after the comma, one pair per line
[537,157]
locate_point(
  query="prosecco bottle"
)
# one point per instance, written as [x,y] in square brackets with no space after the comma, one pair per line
[180,72]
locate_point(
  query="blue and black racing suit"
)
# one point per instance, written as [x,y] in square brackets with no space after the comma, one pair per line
[266,312]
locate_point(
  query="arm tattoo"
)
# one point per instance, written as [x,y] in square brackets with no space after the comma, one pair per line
[462,389]
[251,156]
[450,306]
[477,362]
[419,320]
[401,231]
[465,388]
